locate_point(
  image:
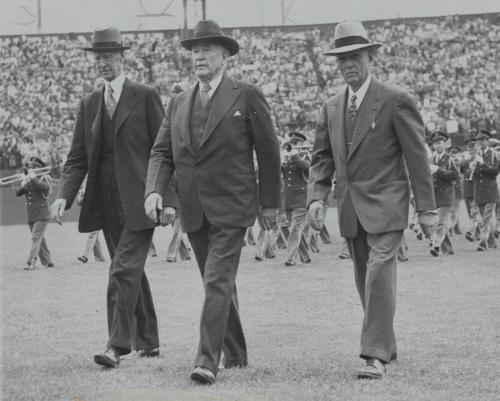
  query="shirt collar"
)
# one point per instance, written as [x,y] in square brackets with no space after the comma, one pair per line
[214,84]
[361,92]
[117,85]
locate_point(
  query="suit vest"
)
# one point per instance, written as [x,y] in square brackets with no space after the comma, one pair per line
[198,119]
[106,169]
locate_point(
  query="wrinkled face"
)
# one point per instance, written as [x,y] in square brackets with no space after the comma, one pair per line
[108,65]
[209,59]
[354,67]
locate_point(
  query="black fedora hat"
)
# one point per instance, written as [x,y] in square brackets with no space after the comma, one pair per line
[210,31]
[107,39]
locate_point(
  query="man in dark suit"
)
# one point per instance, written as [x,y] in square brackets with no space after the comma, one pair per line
[208,137]
[366,134]
[486,167]
[115,130]
[36,190]
[445,172]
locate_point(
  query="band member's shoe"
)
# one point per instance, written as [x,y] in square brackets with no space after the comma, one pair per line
[435,251]
[496,234]
[258,258]
[482,246]
[170,259]
[83,259]
[290,262]
[202,375]
[141,353]
[374,369]
[419,236]
[468,236]
[49,265]
[29,266]
[344,255]
[110,358]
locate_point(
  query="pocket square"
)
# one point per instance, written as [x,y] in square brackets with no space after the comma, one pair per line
[237,113]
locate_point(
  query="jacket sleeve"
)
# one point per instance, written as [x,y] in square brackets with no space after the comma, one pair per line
[42,186]
[161,162]
[155,113]
[491,166]
[449,172]
[20,191]
[322,162]
[409,129]
[266,148]
[75,168]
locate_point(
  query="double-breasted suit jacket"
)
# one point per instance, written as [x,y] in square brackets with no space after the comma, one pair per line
[372,182]
[444,179]
[137,121]
[216,177]
[485,178]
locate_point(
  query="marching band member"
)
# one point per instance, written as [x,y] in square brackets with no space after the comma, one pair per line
[472,233]
[485,167]
[37,190]
[444,174]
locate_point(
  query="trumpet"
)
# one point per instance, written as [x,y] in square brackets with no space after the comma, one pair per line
[12,179]
[298,149]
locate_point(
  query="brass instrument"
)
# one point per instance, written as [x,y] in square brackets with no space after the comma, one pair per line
[12,179]
[298,149]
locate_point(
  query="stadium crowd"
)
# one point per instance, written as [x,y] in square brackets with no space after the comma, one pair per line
[448,64]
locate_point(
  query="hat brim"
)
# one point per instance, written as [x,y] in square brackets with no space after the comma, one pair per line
[106,49]
[229,43]
[351,48]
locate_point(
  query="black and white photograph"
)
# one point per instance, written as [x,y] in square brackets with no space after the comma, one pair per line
[230,200]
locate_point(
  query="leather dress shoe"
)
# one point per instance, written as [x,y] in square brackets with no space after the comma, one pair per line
[82,259]
[482,246]
[202,375]
[435,251]
[110,358]
[468,236]
[49,265]
[141,353]
[171,259]
[374,369]
[29,266]
[290,262]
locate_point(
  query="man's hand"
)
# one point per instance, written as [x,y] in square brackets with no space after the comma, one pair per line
[57,210]
[153,205]
[269,217]
[428,220]
[167,216]
[317,214]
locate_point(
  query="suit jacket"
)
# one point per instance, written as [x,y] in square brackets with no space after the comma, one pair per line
[138,117]
[217,179]
[372,182]
[295,175]
[485,176]
[37,193]
[444,180]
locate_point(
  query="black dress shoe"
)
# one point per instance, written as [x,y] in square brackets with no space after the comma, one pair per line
[374,369]
[482,246]
[468,236]
[82,259]
[435,251]
[141,353]
[290,262]
[202,375]
[110,358]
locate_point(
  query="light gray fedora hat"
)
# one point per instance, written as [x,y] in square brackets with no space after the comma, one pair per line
[350,36]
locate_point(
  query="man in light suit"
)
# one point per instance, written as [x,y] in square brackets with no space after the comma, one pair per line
[115,130]
[365,134]
[208,137]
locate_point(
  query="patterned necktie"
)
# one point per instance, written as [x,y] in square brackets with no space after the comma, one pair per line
[352,109]
[204,89]
[110,102]
[351,121]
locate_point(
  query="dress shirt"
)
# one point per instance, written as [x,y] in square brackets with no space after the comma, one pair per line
[117,85]
[360,94]
[214,84]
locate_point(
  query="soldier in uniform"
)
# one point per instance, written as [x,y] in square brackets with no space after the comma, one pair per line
[444,174]
[485,167]
[295,171]
[37,193]
[472,233]
[455,224]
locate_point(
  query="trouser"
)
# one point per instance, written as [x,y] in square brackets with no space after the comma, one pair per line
[440,236]
[93,245]
[217,251]
[403,250]
[375,260]
[132,320]
[39,246]
[474,217]
[297,221]
[454,223]
[152,249]
[250,239]
[487,226]
[178,246]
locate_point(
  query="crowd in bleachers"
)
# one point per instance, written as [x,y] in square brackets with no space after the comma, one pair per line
[449,65]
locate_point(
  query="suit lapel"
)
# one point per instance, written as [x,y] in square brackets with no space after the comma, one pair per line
[128,99]
[339,118]
[224,97]
[367,113]
[184,109]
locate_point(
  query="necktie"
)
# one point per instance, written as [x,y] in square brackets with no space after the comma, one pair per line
[204,89]
[110,102]
[351,121]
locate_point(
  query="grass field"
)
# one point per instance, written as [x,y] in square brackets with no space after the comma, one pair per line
[302,326]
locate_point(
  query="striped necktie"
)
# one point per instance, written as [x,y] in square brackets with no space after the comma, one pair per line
[204,93]
[110,102]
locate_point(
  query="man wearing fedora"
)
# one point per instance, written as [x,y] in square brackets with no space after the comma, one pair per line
[445,172]
[366,134]
[115,130]
[208,138]
[486,167]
